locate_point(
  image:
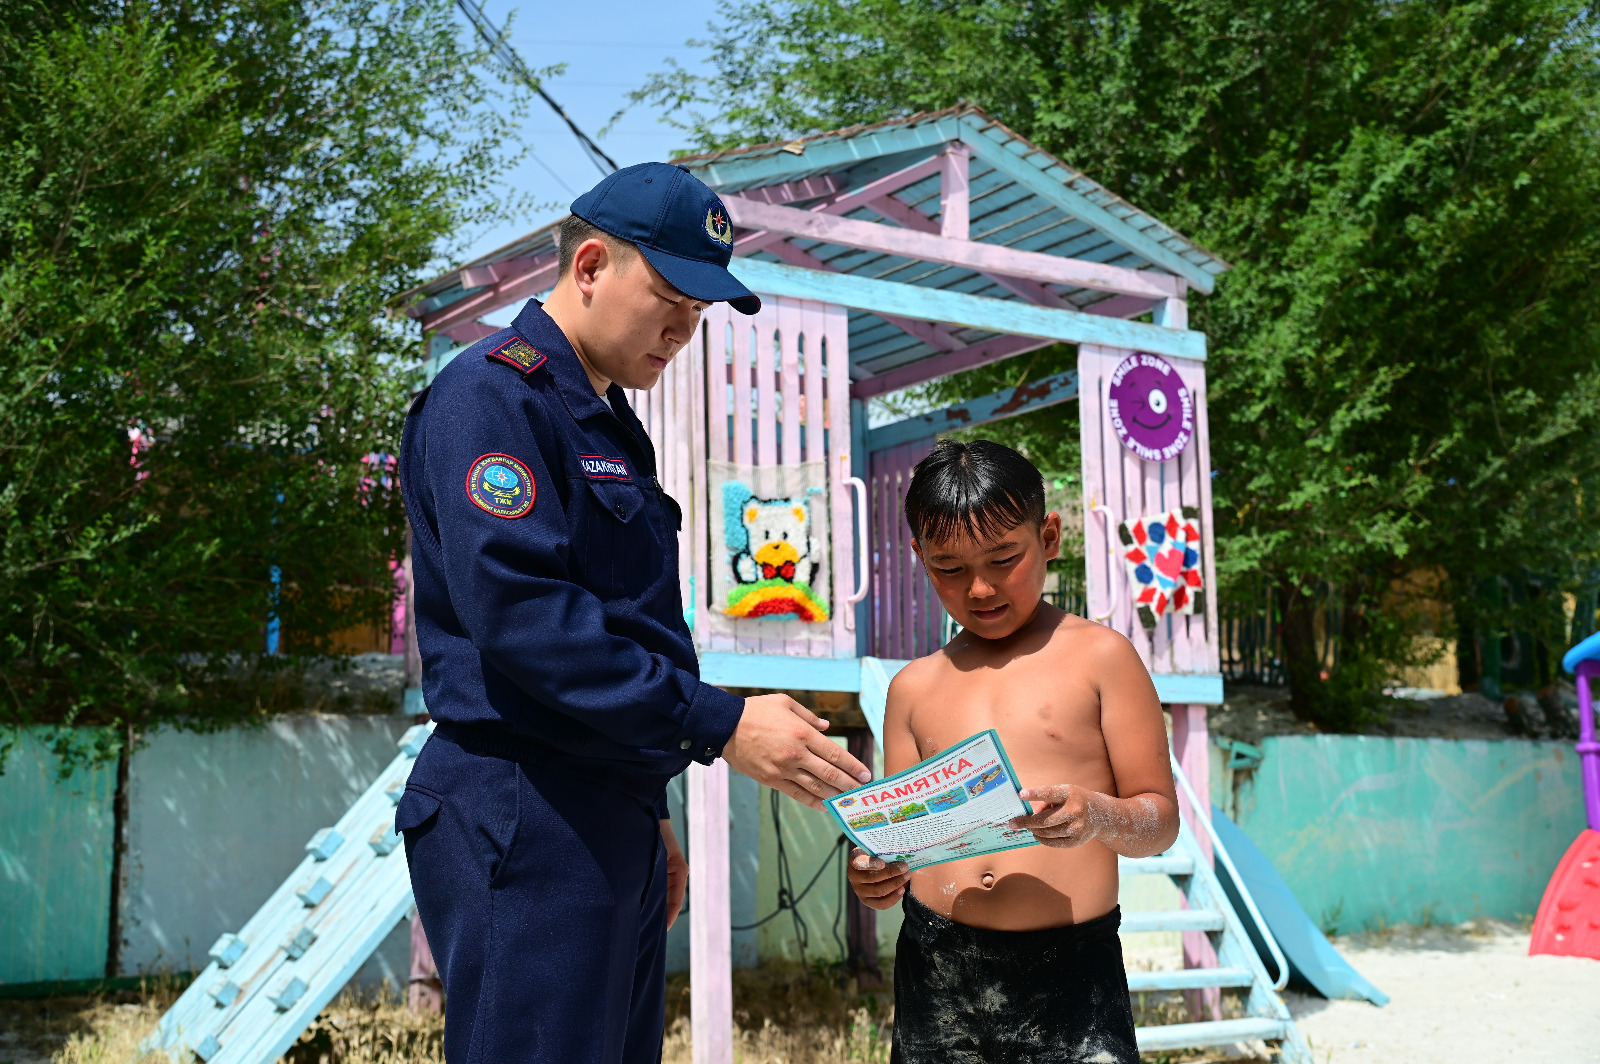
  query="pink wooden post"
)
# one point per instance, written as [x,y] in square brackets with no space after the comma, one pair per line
[1114,477]
[696,510]
[710,934]
[1189,744]
[954,184]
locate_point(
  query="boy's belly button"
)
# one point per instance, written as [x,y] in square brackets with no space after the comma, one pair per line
[988,880]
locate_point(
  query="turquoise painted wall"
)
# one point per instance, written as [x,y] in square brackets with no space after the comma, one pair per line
[1372,831]
[55,866]
[1367,831]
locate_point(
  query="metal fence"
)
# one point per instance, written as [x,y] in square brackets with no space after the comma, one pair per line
[1251,642]
[1252,631]
[1068,593]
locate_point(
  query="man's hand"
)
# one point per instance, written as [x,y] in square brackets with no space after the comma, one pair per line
[677,872]
[780,743]
[879,886]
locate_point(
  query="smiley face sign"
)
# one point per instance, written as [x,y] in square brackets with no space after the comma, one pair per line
[1151,408]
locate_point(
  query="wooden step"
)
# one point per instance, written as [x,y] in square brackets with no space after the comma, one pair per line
[1172,920]
[1165,864]
[1210,1033]
[1187,979]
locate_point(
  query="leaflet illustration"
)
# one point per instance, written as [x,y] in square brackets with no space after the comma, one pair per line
[954,805]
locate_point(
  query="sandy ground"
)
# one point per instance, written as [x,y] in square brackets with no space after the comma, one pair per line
[1464,995]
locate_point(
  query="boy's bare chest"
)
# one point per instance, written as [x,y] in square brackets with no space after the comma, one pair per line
[1048,719]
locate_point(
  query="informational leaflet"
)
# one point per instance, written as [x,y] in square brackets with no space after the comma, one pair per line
[954,805]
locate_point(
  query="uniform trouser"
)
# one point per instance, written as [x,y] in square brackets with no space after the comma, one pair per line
[544,898]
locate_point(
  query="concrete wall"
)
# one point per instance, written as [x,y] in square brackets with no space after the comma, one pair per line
[1367,831]
[55,866]
[1372,831]
[216,821]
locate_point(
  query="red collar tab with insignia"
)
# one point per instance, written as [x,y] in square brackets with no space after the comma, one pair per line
[518,354]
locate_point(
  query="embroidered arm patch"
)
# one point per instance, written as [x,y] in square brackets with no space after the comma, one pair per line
[501,485]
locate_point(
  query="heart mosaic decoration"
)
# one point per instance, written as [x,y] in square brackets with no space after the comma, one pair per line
[1162,552]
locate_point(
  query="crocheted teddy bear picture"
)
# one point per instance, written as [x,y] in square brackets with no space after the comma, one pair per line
[773,554]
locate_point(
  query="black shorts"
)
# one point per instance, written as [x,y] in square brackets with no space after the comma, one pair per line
[966,995]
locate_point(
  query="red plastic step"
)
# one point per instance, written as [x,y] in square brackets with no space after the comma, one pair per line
[1568,923]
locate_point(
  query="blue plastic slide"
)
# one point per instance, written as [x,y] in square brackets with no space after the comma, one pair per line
[1313,962]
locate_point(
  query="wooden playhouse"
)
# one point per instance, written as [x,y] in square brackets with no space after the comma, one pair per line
[888,256]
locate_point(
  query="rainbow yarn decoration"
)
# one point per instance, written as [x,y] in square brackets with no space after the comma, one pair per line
[776,599]
[772,554]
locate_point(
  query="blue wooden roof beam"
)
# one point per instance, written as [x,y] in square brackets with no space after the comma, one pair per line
[1011,317]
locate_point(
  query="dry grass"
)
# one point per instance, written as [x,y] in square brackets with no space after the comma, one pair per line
[97,1029]
[370,1029]
[781,1016]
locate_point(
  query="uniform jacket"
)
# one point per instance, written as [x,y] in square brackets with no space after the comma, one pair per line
[546,568]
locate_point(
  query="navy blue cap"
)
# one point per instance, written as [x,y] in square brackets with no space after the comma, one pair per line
[677,223]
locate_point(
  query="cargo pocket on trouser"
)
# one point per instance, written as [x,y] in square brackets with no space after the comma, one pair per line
[416,809]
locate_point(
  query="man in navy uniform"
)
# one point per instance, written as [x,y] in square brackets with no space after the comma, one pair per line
[555,656]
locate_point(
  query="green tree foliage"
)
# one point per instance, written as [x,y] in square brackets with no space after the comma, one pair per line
[1403,365]
[204,206]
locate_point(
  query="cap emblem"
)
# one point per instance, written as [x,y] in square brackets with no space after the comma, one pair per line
[718,227]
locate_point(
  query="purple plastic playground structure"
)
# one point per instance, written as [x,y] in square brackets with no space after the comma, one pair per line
[1568,922]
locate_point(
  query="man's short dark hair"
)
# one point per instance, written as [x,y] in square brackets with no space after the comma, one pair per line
[574,231]
[981,489]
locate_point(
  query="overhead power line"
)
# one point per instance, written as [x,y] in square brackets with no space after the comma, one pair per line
[507,56]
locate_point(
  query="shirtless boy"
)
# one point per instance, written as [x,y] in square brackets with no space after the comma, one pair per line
[1014,957]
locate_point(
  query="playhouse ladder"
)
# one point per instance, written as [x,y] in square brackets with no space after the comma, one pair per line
[1239,966]
[267,981]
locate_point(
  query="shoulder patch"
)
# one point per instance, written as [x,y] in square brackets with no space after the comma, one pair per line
[599,467]
[501,485]
[518,354]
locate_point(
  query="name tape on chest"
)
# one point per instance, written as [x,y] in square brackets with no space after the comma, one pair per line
[499,484]
[599,467]
[518,354]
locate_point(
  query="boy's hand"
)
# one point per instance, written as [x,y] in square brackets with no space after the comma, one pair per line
[1071,815]
[879,886]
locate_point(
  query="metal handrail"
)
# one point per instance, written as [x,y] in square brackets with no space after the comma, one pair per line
[1204,816]
[862,580]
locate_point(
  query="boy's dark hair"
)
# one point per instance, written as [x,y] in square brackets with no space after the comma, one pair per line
[574,231]
[980,488]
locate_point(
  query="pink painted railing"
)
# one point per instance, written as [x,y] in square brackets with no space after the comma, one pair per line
[762,390]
